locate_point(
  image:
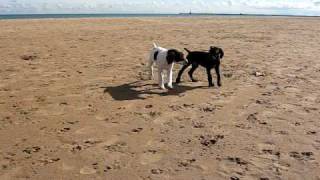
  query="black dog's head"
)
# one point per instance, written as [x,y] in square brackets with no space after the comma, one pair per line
[174,55]
[217,52]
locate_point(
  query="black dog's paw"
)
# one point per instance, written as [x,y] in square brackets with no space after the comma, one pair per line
[178,81]
[211,85]
[219,84]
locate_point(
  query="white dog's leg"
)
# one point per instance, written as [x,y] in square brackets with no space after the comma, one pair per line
[169,73]
[151,72]
[150,67]
[160,79]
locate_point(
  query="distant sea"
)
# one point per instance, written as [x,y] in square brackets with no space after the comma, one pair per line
[55,16]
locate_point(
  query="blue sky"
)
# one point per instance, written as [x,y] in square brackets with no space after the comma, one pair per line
[293,7]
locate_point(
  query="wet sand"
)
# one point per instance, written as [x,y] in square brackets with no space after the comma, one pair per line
[75,102]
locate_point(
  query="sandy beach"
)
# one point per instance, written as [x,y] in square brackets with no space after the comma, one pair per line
[76,102]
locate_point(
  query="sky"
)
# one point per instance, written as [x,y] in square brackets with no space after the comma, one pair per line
[290,7]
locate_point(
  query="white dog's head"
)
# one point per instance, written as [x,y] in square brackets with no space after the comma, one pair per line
[176,56]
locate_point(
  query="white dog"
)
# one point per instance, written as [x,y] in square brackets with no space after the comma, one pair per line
[164,59]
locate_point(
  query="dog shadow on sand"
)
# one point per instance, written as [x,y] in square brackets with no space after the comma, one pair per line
[139,90]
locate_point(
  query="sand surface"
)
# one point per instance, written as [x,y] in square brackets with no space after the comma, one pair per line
[75,102]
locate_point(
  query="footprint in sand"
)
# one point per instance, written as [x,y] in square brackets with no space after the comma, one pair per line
[148,106]
[207,109]
[238,161]
[66,129]
[113,166]
[91,142]
[269,151]
[154,114]
[119,146]
[186,163]
[48,160]
[311,132]
[233,165]
[28,57]
[198,125]
[137,130]
[175,107]
[234,178]
[209,140]
[76,148]
[303,156]
[156,171]
[30,150]
[252,118]
[243,126]
[282,132]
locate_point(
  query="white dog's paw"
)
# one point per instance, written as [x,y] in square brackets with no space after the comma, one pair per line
[170,86]
[162,87]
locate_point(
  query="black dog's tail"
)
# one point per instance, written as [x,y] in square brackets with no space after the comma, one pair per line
[187,50]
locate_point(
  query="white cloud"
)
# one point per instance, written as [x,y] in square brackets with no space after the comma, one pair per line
[285,4]
[306,7]
[316,3]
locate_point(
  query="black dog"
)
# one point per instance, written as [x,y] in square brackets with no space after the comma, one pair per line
[208,60]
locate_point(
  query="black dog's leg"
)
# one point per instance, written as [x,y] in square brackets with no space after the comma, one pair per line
[178,80]
[209,77]
[217,68]
[194,67]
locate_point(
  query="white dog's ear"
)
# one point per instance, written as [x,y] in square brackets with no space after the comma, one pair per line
[171,54]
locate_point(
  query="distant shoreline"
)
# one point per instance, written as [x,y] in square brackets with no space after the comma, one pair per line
[62,16]
[241,14]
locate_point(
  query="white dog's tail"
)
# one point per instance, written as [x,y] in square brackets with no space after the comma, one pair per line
[155,45]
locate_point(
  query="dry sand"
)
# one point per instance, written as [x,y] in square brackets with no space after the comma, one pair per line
[75,102]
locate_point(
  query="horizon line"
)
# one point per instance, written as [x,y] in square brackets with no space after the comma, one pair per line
[181,13]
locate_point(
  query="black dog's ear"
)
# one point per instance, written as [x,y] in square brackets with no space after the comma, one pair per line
[212,50]
[221,53]
[171,55]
